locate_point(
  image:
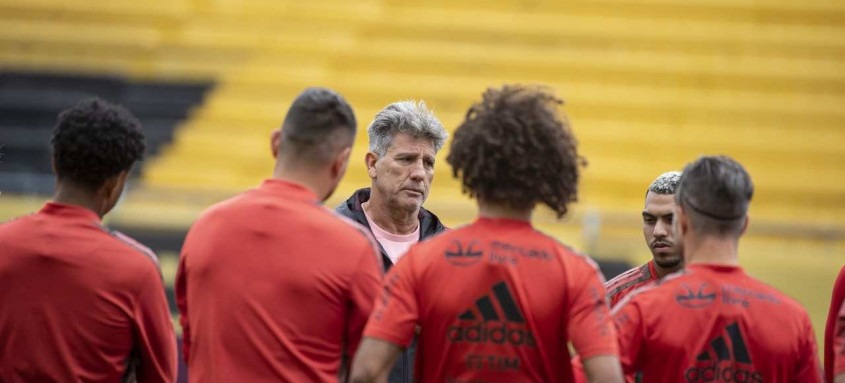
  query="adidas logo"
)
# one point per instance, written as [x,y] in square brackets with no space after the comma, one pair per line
[497,320]
[721,361]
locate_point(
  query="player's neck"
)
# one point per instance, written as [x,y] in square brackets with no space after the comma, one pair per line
[664,271]
[711,250]
[307,177]
[73,195]
[498,211]
[392,220]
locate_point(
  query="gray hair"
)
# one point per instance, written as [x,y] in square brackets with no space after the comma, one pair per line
[411,117]
[666,183]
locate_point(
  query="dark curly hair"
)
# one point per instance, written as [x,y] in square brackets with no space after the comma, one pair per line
[94,141]
[515,149]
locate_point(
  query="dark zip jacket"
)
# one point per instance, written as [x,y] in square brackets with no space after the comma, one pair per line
[403,371]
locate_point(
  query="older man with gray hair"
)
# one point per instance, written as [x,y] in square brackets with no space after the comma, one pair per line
[404,138]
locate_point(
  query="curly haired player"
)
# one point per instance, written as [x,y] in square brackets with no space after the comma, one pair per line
[81,303]
[497,300]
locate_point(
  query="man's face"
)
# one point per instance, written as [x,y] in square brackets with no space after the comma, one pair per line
[658,231]
[403,175]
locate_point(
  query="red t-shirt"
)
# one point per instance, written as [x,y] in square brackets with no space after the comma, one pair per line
[837,299]
[497,301]
[714,323]
[79,303]
[623,284]
[272,286]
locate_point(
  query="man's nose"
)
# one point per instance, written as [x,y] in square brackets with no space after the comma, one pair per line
[662,229]
[418,171]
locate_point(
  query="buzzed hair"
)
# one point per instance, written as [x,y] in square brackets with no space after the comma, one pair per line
[666,183]
[318,122]
[715,191]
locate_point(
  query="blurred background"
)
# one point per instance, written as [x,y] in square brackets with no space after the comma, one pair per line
[649,86]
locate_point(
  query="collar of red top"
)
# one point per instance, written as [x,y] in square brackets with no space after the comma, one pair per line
[502,221]
[291,189]
[721,268]
[652,269]
[70,211]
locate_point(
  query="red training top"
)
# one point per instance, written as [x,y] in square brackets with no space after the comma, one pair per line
[837,299]
[714,323]
[839,344]
[623,284]
[272,286]
[497,301]
[79,303]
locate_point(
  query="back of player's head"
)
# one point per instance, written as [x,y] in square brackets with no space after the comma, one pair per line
[665,184]
[317,125]
[410,117]
[515,149]
[715,192]
[94,141]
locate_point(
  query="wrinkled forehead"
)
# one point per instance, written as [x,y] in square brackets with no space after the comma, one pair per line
[659,204]
[406,143]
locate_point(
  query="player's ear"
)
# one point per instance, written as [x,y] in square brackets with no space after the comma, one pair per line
[275,140]
[340,163]
[745,225]
[370,161]
[680,223]
[111,190]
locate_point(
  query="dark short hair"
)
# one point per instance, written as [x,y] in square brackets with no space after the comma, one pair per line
[316,115]
[515,149]
[94,141]
[715,191]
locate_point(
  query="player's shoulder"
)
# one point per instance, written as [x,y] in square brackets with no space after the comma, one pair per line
[15,225]
[235,203]
[764,292]
[655,292]
[134,250]
[348,227]
[632,277]
[562,250]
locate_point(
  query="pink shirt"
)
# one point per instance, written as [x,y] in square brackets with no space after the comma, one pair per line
[395,245]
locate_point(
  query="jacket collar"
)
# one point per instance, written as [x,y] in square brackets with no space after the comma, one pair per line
[351,208]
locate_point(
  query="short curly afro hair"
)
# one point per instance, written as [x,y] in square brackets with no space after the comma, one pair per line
[94,141]
[515,149]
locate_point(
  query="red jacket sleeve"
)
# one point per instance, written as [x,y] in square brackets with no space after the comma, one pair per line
[839,343]
[155,339]
[396,313]
[362,295]
[181,287]
[628,321]
[807,369]
[836,301]
[590,328]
